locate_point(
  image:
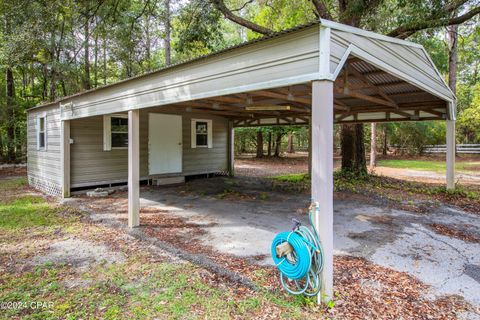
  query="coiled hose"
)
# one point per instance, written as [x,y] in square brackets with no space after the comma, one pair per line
[301,267]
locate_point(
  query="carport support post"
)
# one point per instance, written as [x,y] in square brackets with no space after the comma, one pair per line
[65,152]
[322,177]
[450,154]
[133,168]
[231,149]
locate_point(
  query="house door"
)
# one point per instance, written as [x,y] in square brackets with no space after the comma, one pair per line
[164,143]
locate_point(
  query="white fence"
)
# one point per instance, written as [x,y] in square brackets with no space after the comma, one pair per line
[461,148]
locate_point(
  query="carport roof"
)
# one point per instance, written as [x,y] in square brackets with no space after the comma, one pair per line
[376,78]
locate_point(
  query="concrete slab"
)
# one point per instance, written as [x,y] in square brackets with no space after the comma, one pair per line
[245,225]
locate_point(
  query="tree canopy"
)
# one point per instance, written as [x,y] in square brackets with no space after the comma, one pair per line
[54,48]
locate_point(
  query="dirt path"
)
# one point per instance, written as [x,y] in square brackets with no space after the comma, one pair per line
[298,163]
[426,176]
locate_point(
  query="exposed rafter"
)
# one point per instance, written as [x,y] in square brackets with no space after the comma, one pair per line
[365,80]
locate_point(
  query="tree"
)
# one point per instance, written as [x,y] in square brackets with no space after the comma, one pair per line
[259,143]
[365,13]
[373,145]
[290,142]
[278,143]
[168,54]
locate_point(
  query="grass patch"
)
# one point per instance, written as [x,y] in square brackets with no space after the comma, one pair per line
[296,182]
[137,288]
[28,211]
[292,178]
[396,190]
[8,184]
[427,165]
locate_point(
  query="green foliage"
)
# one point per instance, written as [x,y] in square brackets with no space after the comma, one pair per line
[43,43]
[27,211]
[411,137]
[293,177]
[425,165]
[199,28]
[469,119]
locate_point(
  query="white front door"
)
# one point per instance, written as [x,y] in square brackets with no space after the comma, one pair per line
[164,143]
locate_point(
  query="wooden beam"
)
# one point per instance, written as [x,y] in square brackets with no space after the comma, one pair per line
[282,96]
[253,107]
[343,116]
[401,113]
[365,80]
[435,113]
[365,97]
[388,120]
[228,99]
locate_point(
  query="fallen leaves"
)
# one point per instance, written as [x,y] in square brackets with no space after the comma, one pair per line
[454,232]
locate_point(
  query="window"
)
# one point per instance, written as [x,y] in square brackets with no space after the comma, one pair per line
[115,132]
[41,133]
[201,133]
[119,130]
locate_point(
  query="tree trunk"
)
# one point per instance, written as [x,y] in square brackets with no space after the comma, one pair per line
[86,80]
[278,143]
[44,81]
[10,116]
[290,143]
[353,149]
[360,160]
[373,145]
[385,141]
[95,63]
[347,142]
[452,37]
[104,43]
[148,44]
[167,33]
[269,150]
[259,144]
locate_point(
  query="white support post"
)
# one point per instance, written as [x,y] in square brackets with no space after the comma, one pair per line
[451,154]
[133,168]
[231,149]
[65,155]
[322,177]
[310,147]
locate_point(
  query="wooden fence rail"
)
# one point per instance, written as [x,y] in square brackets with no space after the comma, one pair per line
[461,148]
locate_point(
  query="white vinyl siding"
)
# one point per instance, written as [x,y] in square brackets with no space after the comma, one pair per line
[44,166]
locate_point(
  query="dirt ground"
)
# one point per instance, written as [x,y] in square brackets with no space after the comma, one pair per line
[389,264]
[381,253]
[247,165]
[267,167]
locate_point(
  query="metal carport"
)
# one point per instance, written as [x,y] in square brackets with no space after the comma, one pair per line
[318,73]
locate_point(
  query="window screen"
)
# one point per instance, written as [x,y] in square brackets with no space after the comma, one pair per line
[201,133]
[41,133]
[119,129]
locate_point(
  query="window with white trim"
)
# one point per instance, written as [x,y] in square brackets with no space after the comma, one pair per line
[42,132]
[115,132]
[202,133]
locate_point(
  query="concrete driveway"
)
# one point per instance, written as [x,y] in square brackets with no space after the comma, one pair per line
[241,217]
